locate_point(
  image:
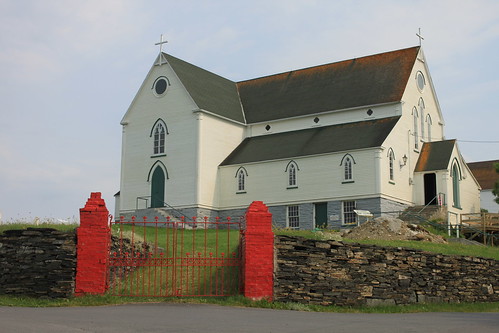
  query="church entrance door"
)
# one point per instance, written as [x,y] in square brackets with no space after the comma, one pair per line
[430,189]
[158,188]
[320,214]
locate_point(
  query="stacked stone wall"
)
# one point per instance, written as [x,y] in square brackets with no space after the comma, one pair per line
[344,274]
[38,262]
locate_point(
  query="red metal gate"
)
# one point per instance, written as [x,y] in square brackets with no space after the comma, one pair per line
[167,258]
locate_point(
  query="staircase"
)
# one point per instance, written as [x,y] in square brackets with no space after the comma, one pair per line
[419,214]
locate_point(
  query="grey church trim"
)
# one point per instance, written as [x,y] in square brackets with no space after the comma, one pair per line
[159,78]
[345,156]
[153,167]
[156,124]
[455,162]
[243,169]
[292,162]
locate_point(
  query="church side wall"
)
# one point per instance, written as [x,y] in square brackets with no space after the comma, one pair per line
[175,108]
[218,138]
[319,179]
[332,118]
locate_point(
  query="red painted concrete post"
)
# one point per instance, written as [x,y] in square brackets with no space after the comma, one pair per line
[92,250]
[258,253]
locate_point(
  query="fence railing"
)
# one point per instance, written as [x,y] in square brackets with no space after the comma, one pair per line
[485,225]
[166,258]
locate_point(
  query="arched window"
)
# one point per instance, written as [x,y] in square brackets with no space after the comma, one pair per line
[347,162]
[456,177]
[241,175]
[416,135]
[428,123]
[159,139]
[292,175]
[348,169]
[158,133]
[421,115]
[292,169]
[391,162]
[241,181]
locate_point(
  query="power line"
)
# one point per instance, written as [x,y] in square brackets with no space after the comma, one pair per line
[472,141]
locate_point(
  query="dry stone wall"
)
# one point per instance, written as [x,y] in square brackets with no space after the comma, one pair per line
[344,274]
[38,262]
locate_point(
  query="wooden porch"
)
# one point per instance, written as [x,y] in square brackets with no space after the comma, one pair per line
[481,226]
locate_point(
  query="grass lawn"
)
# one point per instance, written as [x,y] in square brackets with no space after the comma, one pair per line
[448,249]
[24,226]
[93,300]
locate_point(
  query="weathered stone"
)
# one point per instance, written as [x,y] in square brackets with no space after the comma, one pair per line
[357,274]
[37,262]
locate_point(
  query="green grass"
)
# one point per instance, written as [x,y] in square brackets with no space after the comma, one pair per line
[24,226]
[93,300]
[447,249]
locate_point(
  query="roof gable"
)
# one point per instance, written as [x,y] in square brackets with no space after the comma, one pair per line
[370,80]
[435,156]
[313,141]
[209,91]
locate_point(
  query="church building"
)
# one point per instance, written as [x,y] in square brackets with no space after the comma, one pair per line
[313,144]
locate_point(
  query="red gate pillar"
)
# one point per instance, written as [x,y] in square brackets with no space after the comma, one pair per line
[92,250]
[258,253]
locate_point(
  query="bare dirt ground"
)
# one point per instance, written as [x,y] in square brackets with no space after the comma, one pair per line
[392,229]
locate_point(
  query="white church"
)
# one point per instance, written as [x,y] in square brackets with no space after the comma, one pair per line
[313,144]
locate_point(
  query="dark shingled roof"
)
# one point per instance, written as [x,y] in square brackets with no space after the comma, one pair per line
[209,91]
[319,140]
[435,156]
[370,80]
[485,173]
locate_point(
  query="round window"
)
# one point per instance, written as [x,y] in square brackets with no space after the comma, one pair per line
[160,86]
[421,81]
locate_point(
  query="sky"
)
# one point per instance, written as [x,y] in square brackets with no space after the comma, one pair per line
[70,69]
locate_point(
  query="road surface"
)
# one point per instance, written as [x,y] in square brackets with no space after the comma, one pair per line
[167,317]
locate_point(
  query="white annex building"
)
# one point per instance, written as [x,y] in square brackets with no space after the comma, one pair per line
[313,144]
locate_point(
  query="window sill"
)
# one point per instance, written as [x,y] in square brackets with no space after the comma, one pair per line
[240,192]
[158,155]
[391,182]
[416,150]
[348,181]
[291,187]
[457,207]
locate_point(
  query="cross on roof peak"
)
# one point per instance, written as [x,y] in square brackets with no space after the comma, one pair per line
[160,43]
[419,36]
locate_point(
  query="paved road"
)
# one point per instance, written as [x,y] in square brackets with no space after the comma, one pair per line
[193,318]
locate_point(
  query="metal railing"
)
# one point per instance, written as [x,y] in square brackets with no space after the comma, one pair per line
[178,214]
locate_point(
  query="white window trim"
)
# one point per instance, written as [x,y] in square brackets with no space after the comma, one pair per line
[343,212]
[289,216]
